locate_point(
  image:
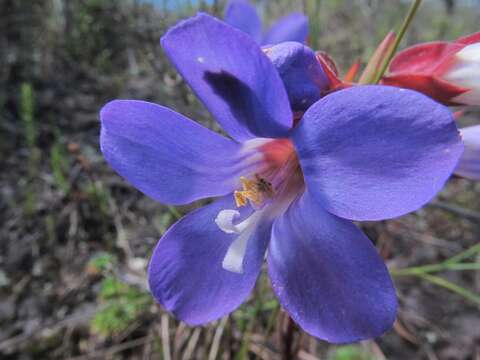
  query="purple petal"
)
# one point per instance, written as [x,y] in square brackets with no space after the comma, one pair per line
[165,155]
[186,274]
[328,275]
[231,75]
[243,16]
[293,27]
[302,74]
[376,152]
[469,165]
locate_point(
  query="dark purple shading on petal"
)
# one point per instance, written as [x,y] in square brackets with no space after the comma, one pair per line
[243,16]
[165,155]
[293,27]
[469,165]
[302,74]
[328,275]
[231,75]
[186,274]
[376,152]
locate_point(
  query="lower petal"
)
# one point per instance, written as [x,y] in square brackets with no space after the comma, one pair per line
[186,274]
[328,275]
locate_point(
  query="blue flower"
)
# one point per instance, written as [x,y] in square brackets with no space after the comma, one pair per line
[286,192]
[243,16]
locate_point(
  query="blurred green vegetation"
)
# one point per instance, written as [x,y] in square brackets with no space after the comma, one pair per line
[27,117]
[351,352]
[120,306]
[60,163]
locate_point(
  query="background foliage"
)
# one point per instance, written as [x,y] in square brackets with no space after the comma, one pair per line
[75,238]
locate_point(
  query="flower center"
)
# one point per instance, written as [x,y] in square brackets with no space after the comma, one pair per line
[269,191]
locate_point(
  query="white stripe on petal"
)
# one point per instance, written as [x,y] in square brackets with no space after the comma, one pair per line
[225,219]
[233,260]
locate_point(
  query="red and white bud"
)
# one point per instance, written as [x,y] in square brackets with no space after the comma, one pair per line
[449,72]
[465,72]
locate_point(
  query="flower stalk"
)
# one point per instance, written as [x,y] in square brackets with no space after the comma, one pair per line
[452,264]
[377,59]
[406,23]
[420,270]
[467,294]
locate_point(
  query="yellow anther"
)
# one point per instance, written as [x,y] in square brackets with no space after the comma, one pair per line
[240,199]
[255,190]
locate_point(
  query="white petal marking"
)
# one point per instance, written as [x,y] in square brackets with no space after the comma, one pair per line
[233,260]
[225,219]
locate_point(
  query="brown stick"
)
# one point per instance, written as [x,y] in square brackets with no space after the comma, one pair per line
[286,343]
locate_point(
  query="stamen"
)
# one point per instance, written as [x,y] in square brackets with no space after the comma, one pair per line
[240,199]
[256,190]
[268,198]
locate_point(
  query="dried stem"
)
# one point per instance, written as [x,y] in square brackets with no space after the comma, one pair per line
[287,339]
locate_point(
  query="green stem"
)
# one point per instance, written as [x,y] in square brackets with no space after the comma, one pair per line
[271,320]
[452,287]
[419,270]
[174,212]
[406,23]
[464,254]
[451,264]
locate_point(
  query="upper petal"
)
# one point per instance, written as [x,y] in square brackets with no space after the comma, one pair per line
[244,16]
[376,152]
[165,155]
[231,75]
[186,274]
[293,27]
[302,74]
[469,165]
[328,275]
